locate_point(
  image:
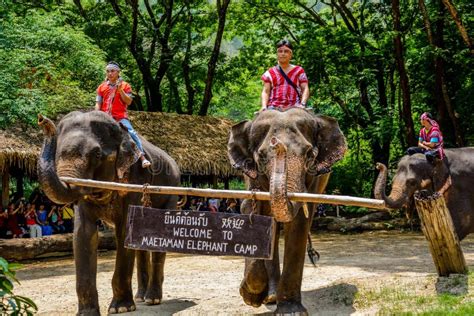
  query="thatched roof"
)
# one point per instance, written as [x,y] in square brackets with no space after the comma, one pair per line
[198,144]
[20,147]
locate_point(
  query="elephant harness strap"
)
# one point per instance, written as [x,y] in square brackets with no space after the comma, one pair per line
[146,201]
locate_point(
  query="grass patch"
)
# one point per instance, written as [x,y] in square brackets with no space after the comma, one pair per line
[404,296]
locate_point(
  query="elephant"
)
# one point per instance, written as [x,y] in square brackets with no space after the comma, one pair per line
[453,177]
[281,151]
[92,145]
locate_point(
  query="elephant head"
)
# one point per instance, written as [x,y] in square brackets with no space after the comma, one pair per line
[414,173]
[84,145]
[284,151]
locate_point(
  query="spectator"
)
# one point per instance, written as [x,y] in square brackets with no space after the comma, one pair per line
[3,223]
[193,206]
[21,217]
[46,229]
[12,225]
[202,206]
[32,221]
[213,205]
[56,220]
[68,218]
[232,206]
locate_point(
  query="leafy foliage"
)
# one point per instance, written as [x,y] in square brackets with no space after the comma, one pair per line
[10,303]
[47,68]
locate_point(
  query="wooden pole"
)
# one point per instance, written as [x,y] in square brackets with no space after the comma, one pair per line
[5,187]
[236,194]
[438,228]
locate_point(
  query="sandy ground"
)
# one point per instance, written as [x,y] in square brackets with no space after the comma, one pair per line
[202,285]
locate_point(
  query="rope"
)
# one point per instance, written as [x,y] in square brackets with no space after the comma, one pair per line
[146,201]
[254,205]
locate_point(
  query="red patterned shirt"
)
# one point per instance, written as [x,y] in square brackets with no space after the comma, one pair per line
[434,136]
[282,93]
[110,100]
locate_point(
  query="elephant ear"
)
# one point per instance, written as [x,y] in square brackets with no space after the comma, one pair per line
[128,153]
[329,141]
[238,149]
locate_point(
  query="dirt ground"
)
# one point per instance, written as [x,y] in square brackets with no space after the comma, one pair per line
[202,285]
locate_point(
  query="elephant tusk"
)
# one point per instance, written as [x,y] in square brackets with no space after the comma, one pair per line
[305,209]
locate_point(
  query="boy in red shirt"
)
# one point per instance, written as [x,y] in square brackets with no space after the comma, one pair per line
[113,97]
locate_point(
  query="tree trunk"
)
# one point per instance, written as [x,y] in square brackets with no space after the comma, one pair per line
[404,82]
[441,90]
[79,6]
[175,100]
[457,19]
[438,228]
[5,187]
[185,65]
[222,6]
[31,248]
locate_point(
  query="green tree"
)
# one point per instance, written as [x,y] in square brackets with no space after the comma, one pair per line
[47,67]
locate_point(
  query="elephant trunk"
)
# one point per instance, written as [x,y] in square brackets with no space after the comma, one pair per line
[280,205]
[397,197]
[53,187]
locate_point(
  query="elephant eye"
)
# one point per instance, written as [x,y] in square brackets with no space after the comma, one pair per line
[411,182]
[96,154]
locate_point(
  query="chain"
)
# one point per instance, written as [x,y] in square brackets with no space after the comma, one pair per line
[146,201]
[254,205]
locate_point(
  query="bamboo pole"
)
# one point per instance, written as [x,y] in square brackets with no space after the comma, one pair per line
[236,194]
[438,228]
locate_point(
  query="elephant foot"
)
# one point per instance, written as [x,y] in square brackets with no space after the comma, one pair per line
[140,296]
[252,296]
[270,299]
[153,296]
[88,312]
[291,308]
[123,306]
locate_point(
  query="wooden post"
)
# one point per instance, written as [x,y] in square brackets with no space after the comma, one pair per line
[438,228]
[5,187]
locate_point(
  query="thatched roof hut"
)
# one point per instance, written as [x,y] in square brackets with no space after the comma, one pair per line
[198,144]
[19,149]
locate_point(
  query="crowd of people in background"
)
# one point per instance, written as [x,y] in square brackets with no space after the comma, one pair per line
[212,205]
[35,217]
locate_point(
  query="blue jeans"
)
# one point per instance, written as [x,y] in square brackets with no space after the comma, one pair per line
[133,134]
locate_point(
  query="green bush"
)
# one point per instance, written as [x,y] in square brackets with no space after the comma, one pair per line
[10,303]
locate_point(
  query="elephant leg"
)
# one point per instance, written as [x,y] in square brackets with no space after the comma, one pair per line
[143,259]
[254,286]
[154,292]
[289,287]
[273,271]
[122,300]
[85,257]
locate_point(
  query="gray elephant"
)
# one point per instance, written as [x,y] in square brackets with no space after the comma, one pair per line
[453,177]
[94,146]
[280,152]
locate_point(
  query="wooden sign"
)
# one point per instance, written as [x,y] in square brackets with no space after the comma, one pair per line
[205,233]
